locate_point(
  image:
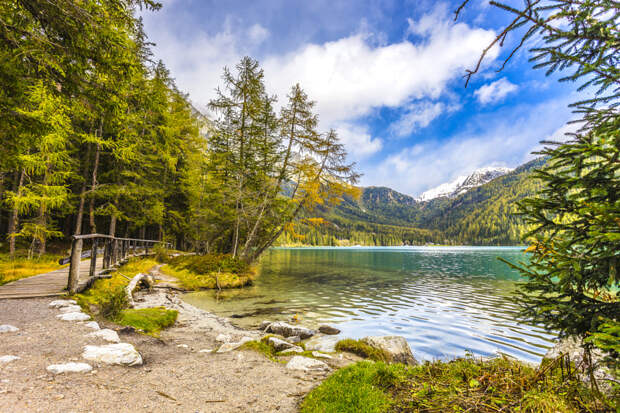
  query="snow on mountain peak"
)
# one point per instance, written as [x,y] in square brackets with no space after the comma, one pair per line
[463,184]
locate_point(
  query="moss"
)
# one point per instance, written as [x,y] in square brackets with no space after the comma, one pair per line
[191,280]
[149,320]
[22,267]
[362,349]
[464,384]
[262,346]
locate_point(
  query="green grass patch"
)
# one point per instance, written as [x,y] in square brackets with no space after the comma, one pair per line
[22,267]
[196,272]
[460,385]
[149,320]
[362,349]
[262,347]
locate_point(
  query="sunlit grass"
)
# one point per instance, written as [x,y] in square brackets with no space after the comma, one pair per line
[191,280]
[21,267]
[149,320]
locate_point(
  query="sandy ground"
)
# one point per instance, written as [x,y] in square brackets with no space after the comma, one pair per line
[173,378]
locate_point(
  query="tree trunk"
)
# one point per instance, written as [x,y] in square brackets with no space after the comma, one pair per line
[93,187]
[13,222]
[113,219]
[80,212]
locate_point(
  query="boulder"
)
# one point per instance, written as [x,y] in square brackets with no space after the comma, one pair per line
[396,348]
[92,325]
[75,316]
[325,329]
[223,338]
[105,334]
[262,326]
[288,330]
[62,303]
[123,354]
[293,339]
[69,368]
[226,347]
[8,359]
[306,364]
[7,328]
[326,344]
[278,344]
[294,349]
[70,309]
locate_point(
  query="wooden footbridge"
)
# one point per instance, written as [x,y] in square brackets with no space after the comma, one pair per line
[106,253]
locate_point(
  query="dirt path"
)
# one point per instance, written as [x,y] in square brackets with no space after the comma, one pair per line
[175,376]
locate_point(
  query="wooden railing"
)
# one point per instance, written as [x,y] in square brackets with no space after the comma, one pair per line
[115,251]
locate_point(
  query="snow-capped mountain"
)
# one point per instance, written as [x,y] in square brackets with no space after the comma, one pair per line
[463,184]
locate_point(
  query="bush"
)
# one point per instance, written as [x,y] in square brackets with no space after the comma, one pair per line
[113,302]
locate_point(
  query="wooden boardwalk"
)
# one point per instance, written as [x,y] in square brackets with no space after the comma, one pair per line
[49,284]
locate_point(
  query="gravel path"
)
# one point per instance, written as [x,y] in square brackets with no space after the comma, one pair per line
[175,376]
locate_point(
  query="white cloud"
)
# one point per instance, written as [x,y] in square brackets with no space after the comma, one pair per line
[358,141]
[349,77]
[495,91]
[419,115]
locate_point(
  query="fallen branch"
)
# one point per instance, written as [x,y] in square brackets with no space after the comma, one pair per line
[133,285]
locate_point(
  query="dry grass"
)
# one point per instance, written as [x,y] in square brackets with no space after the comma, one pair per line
[20,267]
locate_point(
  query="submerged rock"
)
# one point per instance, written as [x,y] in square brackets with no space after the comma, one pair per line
[69,368]
[7,328]
[288,330]
[293,339]
[325,329]
[8,359]
[396,348]
[306,364]
[105,334]
[280,345]
[75,316]
[62,303]
[123,354]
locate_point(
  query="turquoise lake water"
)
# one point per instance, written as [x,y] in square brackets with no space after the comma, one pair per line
[445,301]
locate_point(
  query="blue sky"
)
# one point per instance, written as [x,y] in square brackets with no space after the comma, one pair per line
[387,75]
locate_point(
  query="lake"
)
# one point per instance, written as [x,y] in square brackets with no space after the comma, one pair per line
[446,301]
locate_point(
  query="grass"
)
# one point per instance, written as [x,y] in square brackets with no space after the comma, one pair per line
[362,349]
[149,320]
[22,267]
[197,272]
[460,385]
[262,347]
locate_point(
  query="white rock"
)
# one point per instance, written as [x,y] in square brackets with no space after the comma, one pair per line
[292,350]
[62,303]
[226,347]
[105,334]
[8,359]
[92,324]
[76,316]
[182,346]
[306,364]
[7,328]
[69,368]
[321,355]
[205,350]
[395,346]
[71,309]
[326,344]
[122,353]
[278,344]
[223,338]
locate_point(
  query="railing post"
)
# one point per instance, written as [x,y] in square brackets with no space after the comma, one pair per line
[114,252]
[146,246]
[93,259]
[74,266]
[122,250]
[106,253]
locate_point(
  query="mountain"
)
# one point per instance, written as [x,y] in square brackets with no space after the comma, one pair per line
[478,212]
[464,183]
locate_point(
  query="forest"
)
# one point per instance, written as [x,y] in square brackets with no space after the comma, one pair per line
[96,138]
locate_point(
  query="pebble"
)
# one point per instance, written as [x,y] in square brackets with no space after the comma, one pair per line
[8,359]
[105,334]
[62,303]
[69,368]
[92,324]
[7,328]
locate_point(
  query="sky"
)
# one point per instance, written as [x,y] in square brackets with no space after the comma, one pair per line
[387,75]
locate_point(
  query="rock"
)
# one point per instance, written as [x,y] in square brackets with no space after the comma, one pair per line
[62,303]
[262,326]
[92,325]
[226,347]
[205,350]
[69,368]
[8,359]
[127,330]
[293,339]
[288,330]
[294,349]
[7,328]
[223,338]
[306,364]
[105,334]
[71,309]
[183,346]
[325,344]
[321,355]
[76,316]
[325,329]
[395,346]
[122,354]
[279,345]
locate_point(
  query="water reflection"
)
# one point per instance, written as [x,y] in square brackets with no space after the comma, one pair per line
[445,301]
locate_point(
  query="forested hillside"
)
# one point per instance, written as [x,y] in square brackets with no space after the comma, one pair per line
[381,216]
